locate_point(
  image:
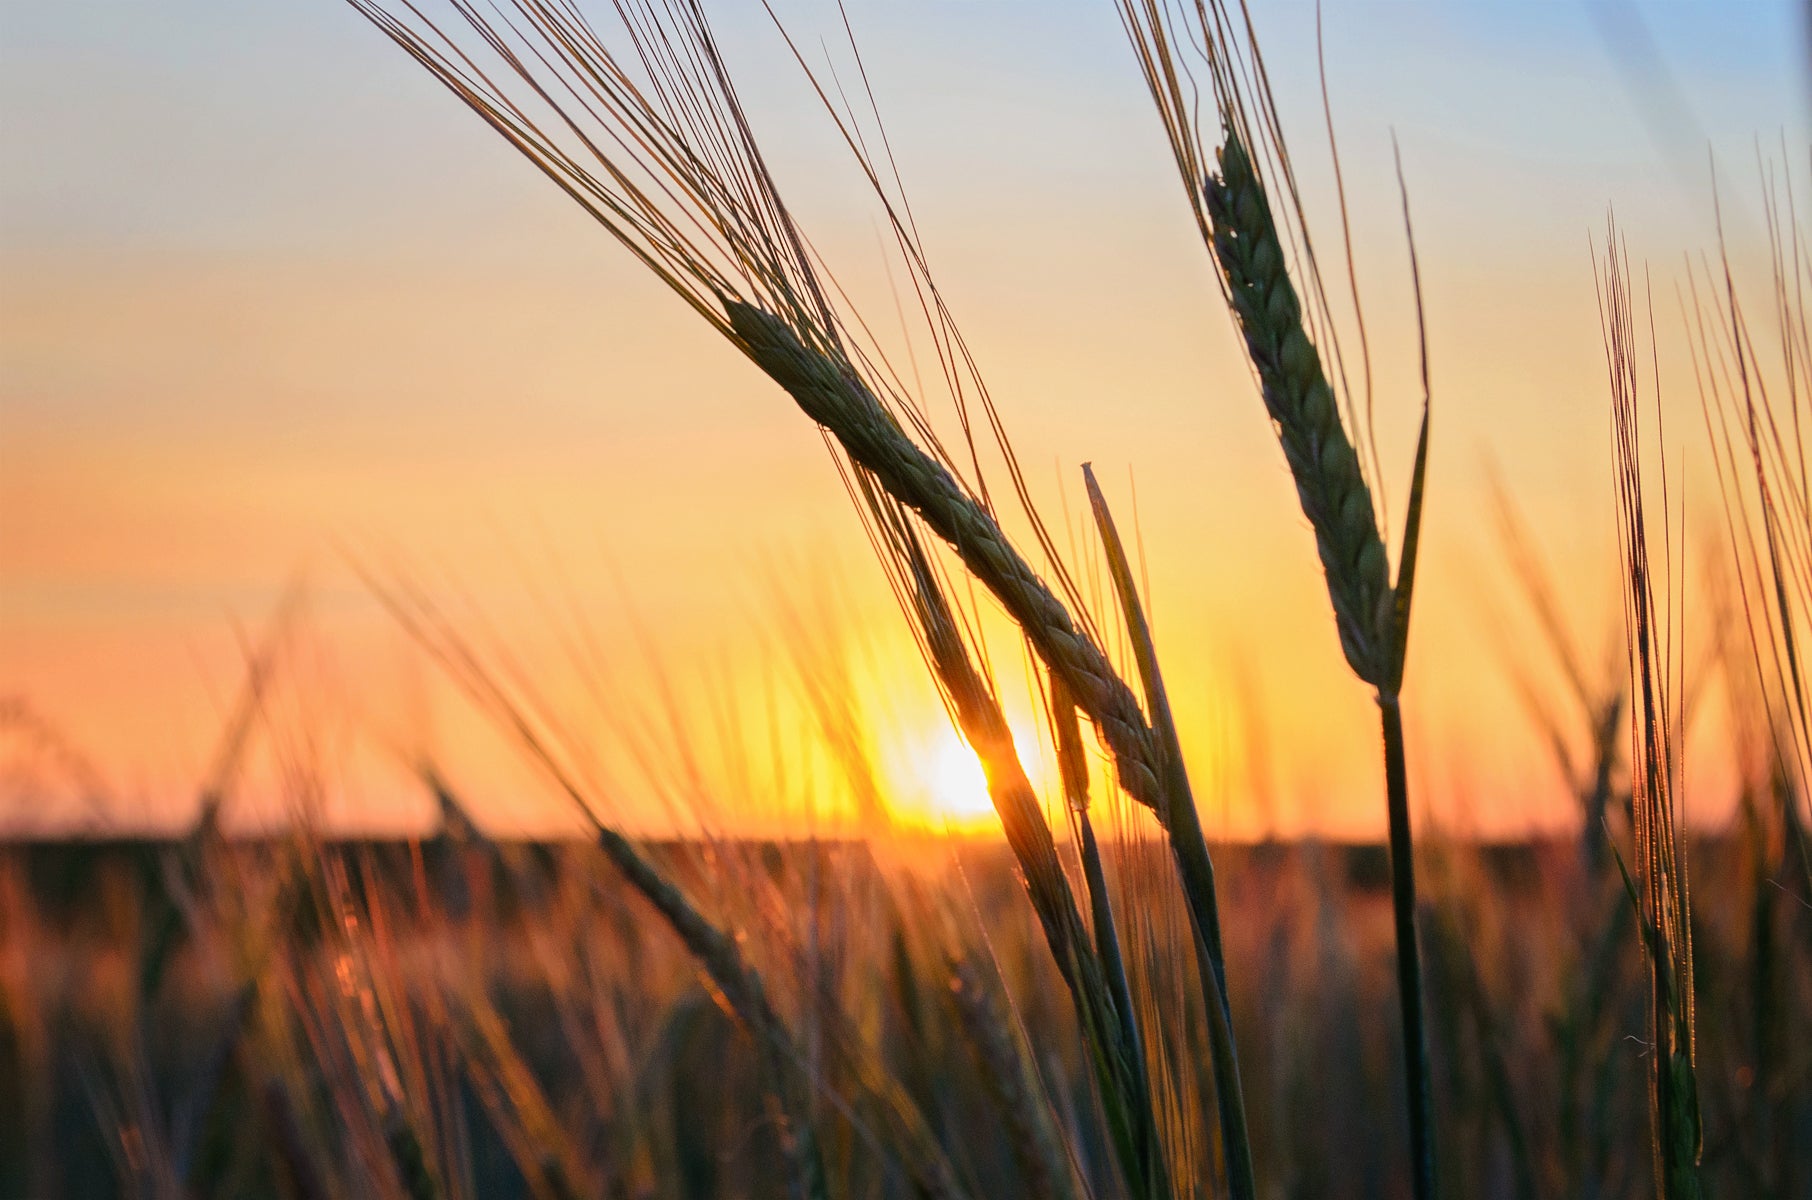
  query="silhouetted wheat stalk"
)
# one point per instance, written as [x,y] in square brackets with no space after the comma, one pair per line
[1255,232]
[653,142]
[1109,1027]
[1754,398]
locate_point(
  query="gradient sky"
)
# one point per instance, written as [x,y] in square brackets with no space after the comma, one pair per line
[267,293]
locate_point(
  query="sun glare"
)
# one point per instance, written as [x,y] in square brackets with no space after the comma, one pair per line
[958,785]
[941,785]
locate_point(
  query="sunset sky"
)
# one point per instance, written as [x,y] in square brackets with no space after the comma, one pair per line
[270,298]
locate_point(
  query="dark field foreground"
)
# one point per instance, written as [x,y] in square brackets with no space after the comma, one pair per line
[468,1019]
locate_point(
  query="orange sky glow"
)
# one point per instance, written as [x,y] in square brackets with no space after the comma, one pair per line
[271,305]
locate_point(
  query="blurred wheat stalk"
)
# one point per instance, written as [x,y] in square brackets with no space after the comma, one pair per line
[1660,889]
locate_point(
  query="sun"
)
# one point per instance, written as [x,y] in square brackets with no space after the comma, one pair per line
[958,786]
[940,785]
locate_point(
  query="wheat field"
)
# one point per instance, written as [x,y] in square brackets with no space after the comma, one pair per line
[1088,993]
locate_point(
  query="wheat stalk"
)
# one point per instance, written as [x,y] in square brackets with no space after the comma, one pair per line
[1239,221]
[1009,1073]
[654,144]
[1110,1031]
[1660,891]
[832,394]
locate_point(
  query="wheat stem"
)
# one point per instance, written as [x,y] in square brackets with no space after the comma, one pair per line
[1409,958]
[1189,850]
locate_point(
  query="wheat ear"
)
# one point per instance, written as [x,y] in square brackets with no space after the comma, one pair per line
[1371,615]
[837,399]
[1323,461]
